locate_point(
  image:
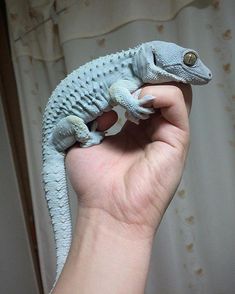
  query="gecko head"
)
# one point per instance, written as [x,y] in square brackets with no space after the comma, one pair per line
[158,62]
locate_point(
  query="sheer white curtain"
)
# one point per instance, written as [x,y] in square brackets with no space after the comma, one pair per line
[194,249]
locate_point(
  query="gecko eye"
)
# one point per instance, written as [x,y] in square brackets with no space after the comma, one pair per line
[190,58]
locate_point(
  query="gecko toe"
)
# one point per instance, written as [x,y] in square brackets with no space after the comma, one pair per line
[146,99]
[94,139]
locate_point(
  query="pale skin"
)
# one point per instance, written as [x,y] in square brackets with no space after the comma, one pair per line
[124,186]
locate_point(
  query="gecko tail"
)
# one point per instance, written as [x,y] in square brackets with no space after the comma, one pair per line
[56,192]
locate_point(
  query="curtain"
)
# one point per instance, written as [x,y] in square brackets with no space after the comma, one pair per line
[194,248]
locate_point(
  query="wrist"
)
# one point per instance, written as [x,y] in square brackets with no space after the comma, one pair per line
[105,223]
[104,255]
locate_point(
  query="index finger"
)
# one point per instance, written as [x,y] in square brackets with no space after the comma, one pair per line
[173,100]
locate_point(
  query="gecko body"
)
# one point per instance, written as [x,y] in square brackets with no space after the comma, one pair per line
[89,91]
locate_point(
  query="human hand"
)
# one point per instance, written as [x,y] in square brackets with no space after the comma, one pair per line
[130,178]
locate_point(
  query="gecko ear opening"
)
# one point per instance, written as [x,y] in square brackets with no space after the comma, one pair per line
[155,58]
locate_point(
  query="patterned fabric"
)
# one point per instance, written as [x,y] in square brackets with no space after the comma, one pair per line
[37,22]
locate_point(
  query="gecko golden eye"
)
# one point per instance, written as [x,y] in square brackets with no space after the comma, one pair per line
[190,58]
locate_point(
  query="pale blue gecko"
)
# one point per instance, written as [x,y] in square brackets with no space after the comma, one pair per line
[91,90]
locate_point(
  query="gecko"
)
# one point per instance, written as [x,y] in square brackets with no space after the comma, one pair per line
[91,90]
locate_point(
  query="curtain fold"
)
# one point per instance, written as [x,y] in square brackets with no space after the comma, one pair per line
[35,23]
[194,249]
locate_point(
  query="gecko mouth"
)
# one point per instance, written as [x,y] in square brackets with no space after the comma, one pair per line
[205,78]
[195,75]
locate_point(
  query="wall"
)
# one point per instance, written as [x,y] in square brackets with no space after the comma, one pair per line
[16,268]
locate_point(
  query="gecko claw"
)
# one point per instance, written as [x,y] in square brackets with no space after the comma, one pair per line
[146,99]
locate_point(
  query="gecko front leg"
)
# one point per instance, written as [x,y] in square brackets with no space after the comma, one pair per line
[120,93]
[72,129]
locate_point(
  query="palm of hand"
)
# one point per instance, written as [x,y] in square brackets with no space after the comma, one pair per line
[132,176]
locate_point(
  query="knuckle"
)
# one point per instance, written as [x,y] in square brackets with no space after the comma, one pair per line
[175,91]
[146,91]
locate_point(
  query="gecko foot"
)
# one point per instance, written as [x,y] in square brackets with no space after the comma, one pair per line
[135,111]
[94,139]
